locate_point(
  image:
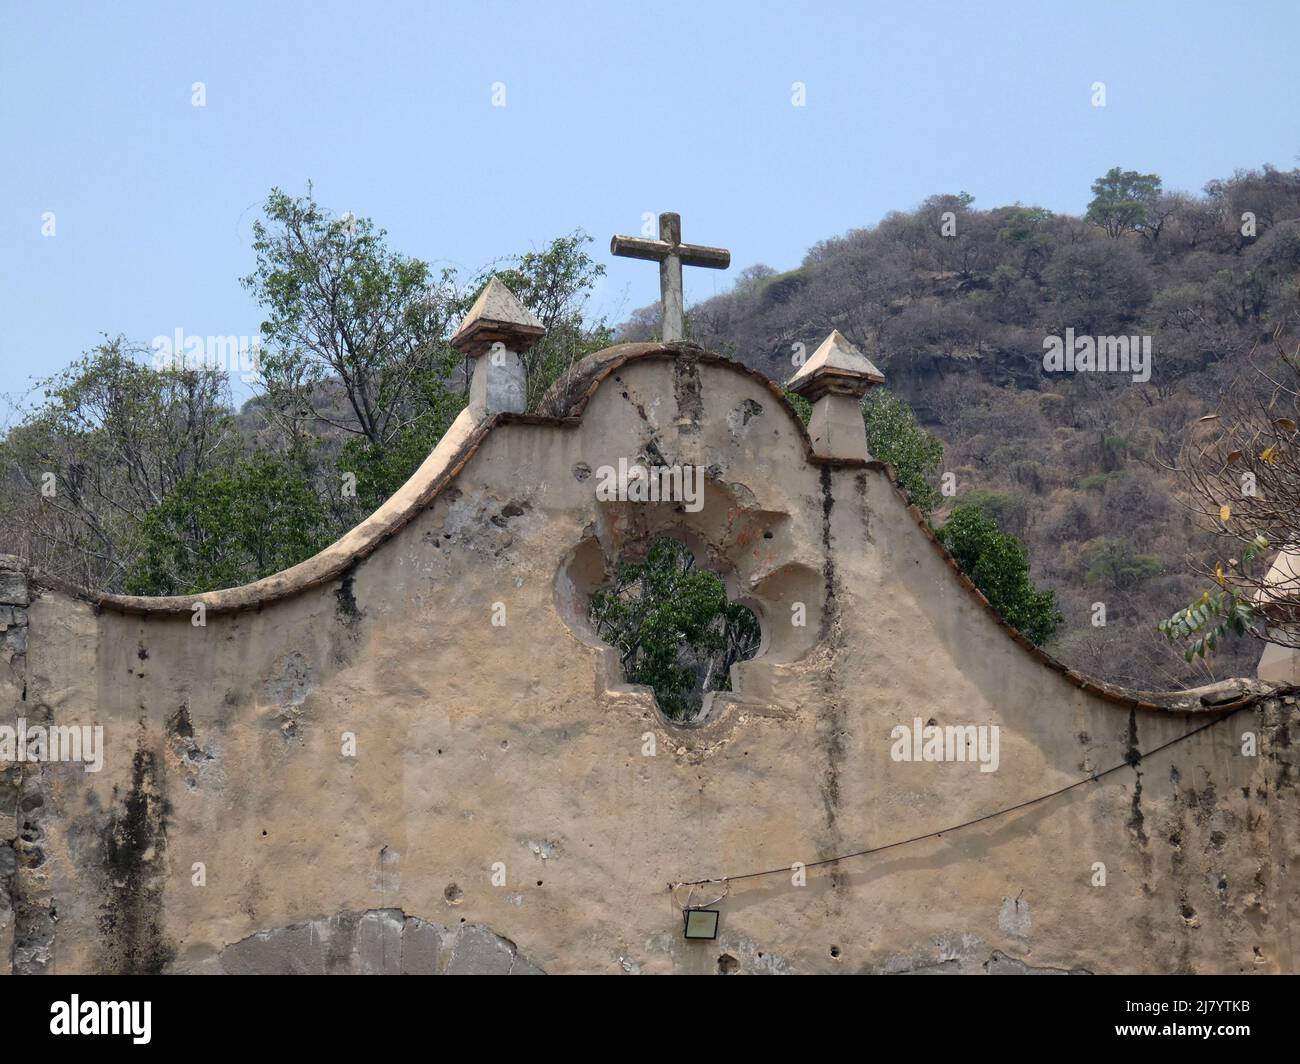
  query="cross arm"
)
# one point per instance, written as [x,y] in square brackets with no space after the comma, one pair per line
[699,255]
[631,247]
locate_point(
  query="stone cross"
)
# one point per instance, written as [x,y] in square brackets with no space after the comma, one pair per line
[670,253]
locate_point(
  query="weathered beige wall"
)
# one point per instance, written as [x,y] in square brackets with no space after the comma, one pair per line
[518,744]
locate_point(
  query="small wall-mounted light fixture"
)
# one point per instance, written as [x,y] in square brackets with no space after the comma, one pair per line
[701,923]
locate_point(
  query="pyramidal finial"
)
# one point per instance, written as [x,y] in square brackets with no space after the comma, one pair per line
[497,316]
[836,367]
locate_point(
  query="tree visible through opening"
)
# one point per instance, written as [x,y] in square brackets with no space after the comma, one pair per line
[674,628]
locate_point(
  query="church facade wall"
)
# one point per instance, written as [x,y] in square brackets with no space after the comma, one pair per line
[427,760]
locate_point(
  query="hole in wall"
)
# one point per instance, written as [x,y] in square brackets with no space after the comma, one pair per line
[761,567]
[674,628]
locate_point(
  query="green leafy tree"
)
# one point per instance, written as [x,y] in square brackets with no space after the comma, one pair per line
[554,284]
[1124,201]
[356,333]
[673,627]
[112,439]
[380,471]
[223,528]
[998,564]
[895,436]
[1116,563]
[1009,511]
[358,336]
[1026,231]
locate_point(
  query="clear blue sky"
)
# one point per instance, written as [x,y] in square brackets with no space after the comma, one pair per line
[611,110]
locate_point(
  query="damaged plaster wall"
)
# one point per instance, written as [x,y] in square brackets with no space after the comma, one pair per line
[351,764]
[28,910]
[379,942]
[13,685]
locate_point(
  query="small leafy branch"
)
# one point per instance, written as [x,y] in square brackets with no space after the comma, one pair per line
[1216,613]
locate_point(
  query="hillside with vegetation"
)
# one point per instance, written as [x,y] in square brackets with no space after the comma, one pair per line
[953,304]
[1057,492]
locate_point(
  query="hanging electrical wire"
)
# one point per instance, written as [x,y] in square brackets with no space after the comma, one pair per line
[1132,761]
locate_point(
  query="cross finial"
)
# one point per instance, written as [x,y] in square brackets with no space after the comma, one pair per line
[670,253]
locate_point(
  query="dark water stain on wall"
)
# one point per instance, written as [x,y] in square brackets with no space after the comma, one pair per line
[687,391]
[345,598]
[133,866]
[1133,755]
[832,726]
